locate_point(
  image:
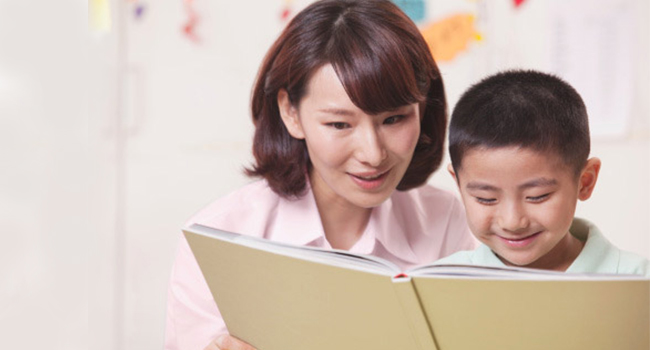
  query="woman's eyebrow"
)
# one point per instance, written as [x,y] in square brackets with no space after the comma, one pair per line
[337,111]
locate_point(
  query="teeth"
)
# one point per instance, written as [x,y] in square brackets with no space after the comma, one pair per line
[371,177]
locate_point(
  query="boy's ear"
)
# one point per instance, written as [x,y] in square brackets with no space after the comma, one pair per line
[289,115]
[451,171]
[588,178]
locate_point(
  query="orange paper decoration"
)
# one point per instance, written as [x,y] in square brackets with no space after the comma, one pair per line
[450,36]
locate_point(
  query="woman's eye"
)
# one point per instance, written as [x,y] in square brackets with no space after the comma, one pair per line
[486,200]
[393,119]
[538,198]
[339,125]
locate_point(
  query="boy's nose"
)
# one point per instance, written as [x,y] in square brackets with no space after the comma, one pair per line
[371,150]
[513,218]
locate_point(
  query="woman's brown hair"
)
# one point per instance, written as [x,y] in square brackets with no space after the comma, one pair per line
[383,63]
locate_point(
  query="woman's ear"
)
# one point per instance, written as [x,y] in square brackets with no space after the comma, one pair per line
[289,115]
[588,178]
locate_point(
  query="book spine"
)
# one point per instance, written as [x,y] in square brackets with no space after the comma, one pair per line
[410,303]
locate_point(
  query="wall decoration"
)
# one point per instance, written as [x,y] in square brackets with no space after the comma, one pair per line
[287,10]
[138,8]
[450,36]
[518,2]
[99,16]
[593,48]
[415,9]
[189,29]
[139,11]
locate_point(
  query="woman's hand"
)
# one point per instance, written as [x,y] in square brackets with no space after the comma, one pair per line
[227,342]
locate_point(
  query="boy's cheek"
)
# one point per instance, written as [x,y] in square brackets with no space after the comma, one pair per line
[477,220]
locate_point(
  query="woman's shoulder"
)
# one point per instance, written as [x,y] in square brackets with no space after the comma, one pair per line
[433,220]
[428,190]
[428,200]
[240,210]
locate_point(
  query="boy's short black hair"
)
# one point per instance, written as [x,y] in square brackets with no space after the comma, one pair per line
[521,108]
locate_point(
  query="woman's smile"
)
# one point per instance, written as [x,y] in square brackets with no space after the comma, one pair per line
[369,181]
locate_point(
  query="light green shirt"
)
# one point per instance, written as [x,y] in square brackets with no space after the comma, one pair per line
[597,256]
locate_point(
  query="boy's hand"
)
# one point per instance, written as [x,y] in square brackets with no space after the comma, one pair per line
[227,342]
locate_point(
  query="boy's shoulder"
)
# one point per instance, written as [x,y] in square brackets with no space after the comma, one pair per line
[464,257]
[481,256]
[630,263]
[599,255]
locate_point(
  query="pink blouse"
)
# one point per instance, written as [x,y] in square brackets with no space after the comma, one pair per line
[409,229]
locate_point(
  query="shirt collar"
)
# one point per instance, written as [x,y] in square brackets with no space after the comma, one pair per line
[483,255]
[387,224]
[598,255]
[297,220]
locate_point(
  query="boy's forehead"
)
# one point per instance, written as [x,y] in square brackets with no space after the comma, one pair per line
[512,158]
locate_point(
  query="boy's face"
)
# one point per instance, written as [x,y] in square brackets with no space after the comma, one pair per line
[521,203]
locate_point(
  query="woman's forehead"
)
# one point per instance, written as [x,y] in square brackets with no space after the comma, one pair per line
[326,92]
[372,92]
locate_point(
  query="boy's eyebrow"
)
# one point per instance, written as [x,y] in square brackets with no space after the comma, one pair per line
[539,182]
[481,186]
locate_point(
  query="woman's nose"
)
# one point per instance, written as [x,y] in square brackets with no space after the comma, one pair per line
[370,148]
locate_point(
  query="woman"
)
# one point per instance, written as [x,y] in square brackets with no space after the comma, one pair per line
[348,106]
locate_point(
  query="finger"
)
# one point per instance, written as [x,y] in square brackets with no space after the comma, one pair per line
[227,342]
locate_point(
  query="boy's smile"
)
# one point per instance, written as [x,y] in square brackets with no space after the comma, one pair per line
[521,203]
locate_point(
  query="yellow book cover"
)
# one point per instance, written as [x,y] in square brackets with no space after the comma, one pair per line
[283,297]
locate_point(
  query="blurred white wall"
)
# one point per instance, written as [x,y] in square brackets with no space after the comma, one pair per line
[44,179]
[110,140]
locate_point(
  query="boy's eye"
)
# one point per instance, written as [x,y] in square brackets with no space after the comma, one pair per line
[339,125]
[536,199]
[393,119]
[486,200]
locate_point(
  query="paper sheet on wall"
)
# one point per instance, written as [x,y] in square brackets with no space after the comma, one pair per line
[99,16]
[592,48]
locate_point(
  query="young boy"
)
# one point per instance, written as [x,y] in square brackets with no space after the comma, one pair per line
[519,146]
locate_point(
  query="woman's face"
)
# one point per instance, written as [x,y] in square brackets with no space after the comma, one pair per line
[358,159]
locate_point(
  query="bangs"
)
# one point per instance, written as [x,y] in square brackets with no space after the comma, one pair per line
[375,68]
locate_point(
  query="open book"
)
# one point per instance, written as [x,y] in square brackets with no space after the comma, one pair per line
[282,297]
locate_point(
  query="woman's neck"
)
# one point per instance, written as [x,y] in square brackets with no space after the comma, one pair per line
[343,222]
